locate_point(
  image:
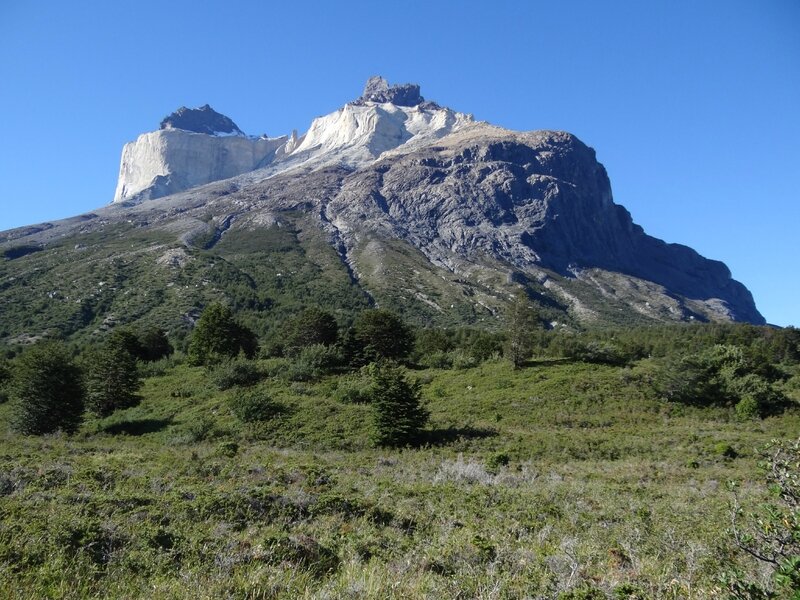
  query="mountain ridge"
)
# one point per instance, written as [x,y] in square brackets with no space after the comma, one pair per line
[443,226]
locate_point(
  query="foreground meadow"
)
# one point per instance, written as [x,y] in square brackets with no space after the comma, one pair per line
[560,480]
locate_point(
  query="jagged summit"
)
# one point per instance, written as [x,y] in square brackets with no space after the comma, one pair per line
[378,90]
[201,120]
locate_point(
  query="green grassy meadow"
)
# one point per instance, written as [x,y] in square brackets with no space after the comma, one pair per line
[560,480]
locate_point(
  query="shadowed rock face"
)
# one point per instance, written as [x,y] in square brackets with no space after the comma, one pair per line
[379,90]
[200,120]
[535,201]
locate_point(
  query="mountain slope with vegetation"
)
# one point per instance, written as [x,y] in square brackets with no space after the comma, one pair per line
[581,474]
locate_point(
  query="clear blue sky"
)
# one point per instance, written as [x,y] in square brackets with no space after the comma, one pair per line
[691,105]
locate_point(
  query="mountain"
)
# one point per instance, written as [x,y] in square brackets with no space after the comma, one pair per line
[390,200]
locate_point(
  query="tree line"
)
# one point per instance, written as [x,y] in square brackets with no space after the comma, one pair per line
[737,365]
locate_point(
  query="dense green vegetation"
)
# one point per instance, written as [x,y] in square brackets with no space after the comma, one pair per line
[597,469]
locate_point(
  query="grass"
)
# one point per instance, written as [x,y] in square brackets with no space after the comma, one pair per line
[553,480]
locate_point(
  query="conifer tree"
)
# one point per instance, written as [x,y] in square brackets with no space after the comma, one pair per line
[521,324]
[399,413]
[48,390]
[218,336]
[112,376]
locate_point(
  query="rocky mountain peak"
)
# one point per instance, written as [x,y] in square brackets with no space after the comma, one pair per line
[378,90]
[200,120]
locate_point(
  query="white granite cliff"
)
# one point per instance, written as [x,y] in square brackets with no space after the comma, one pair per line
[199,146]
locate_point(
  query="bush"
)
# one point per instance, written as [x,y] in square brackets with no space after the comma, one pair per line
[236,372]
[725,450]
[463,360]
[437,360]
[48,391]
[521,323]
[747,408]
[772,533]
[353,390]
[313,362]
[399,414]
[159,367]
[5,376]
[431,342]
[252,406]
[497,460]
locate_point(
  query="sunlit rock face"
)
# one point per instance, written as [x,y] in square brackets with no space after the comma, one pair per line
[198,146]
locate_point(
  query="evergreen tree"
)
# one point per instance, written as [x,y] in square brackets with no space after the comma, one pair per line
[47,389]
[217,336]
[310,327]
[112,377]
[521,325]
[399,414]
[154,345]
[383,335]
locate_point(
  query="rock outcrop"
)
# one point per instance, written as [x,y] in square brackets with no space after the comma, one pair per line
[201,120]
[378,90]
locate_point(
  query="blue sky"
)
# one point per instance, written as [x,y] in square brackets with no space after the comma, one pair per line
[692,106]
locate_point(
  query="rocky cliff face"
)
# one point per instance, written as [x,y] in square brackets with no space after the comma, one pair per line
[170,160]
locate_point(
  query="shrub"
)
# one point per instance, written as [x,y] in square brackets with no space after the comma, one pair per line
[437,360]
[313,362]
[463,360]
[5,376]
[747,408]
[227,449]
[353,390]
[48,390]
[772,534]
[431,342]
[236,372]
[725,450]
[251,406]
[157,368]
[399,414]
[521,324]
[497,460]
[302,552]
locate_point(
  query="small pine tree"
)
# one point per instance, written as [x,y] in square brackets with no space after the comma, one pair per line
[399,414]
[48,391]
[112,376]
[217,336]
[521,324]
